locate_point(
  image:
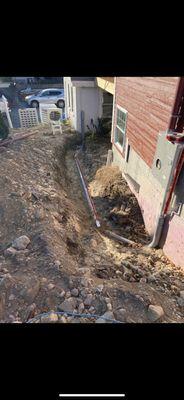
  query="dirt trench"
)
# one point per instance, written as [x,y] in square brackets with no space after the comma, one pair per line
[69,265]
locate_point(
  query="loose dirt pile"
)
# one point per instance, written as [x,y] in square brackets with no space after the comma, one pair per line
[65,265]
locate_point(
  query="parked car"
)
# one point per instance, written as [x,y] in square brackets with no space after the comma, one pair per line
[28,91]
[51,96]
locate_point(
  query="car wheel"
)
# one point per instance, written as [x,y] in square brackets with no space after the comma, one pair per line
[34,104]
[61,104]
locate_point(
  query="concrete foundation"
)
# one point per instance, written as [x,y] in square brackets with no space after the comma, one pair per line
[150,196]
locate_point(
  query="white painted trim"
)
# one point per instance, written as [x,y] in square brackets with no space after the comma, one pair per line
[123,131]
[113,110]
[126,149]
[7,111]
[122,109]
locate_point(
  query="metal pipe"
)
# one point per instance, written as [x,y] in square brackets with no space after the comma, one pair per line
[118,237]
[89,199]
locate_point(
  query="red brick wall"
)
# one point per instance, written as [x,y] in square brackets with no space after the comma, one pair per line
[149,102]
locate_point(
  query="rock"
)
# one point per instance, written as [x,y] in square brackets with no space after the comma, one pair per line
[62,294]
[92,310]
[120,314]
[182,294]
[5,270]
[68,294]
[51,286]
[68,305]
[143,280]
[155,312]
[94,243]
[180,301]
[84,271]
[109,306]
[75,292]
[99,288]
[17,321]
[84,293]
[88,300]
[10,251]
[21,242]
[129,320]
[85,282]
[179,284]
[97,258]
[39,214]
[100,305]
[43,280]
[62,319]
[108,314]
[127,273]
[6,282]
[12,317]
[175,289]
[151,278]
[29,293]
[57,263]
[132,279]
[118,272]
[30,312]
[81,308]
[107,299]
[11,297]
[71,284]
[52,317]
[2,304]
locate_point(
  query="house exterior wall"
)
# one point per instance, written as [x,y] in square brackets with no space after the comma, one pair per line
[172,239]
[90,104]
[149,103]
[86,98]
[150,194]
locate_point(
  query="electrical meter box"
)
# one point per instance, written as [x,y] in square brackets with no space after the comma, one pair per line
[165,158]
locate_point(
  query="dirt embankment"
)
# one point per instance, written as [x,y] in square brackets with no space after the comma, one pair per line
[68,266]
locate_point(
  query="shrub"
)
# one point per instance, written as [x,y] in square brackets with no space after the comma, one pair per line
[4,131]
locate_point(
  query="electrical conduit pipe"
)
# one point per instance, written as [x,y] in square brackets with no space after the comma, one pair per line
[167,199]
[92,207]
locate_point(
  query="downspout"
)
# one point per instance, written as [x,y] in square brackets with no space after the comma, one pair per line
[175,169]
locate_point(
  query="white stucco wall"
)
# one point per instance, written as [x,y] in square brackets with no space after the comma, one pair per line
[90,104]
[151,193]
[87,99]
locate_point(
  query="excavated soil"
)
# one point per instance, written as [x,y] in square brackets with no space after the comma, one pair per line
[69,265]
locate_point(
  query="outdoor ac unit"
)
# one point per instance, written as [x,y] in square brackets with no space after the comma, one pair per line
[50,112]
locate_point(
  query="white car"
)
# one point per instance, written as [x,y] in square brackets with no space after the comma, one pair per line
[48,96]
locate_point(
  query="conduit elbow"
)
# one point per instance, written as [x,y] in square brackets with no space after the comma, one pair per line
[158,232]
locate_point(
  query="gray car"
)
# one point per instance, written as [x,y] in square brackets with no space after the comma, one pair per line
[48,96]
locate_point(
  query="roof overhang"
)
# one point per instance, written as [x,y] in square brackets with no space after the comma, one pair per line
[84,83]
[105,84]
